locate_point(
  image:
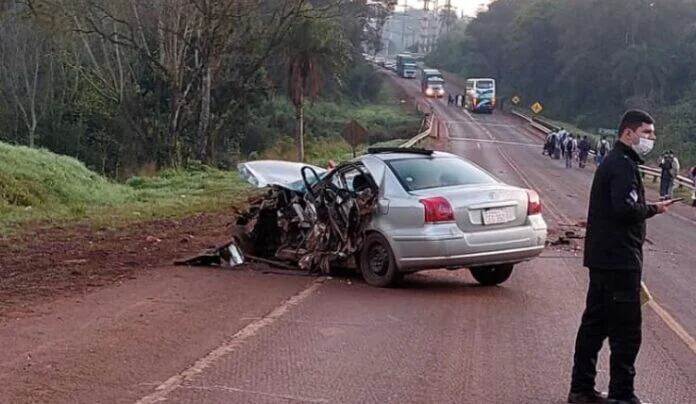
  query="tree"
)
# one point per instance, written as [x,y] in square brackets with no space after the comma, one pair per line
[22,63]
[315,46]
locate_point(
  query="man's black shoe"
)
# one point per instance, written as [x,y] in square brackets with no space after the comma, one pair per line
[634,400]
[593,397]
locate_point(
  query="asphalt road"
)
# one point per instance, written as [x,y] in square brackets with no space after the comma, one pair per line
[238,336]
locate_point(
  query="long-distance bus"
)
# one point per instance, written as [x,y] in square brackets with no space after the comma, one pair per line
[432,83]
[405,66]
[480,95]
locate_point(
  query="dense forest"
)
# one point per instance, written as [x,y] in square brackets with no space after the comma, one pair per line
[122,84]
[587,61]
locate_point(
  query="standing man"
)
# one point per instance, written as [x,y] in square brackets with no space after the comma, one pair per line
[674,173]
[569,148]
[602,150]
[692,176]
[665,165]
[614,256]
[583,151]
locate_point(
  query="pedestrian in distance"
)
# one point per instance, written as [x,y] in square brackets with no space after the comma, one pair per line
[569,148]
[583,151]
[548,144]
[602,150]
[692,176]
[669,169]
[614,255]
[562,136]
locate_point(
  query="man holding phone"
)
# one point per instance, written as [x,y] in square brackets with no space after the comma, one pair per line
[614,255]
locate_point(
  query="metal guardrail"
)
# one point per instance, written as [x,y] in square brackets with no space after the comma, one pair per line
[424,134]
[546,127]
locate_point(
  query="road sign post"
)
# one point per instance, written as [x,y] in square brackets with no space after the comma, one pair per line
[354,134]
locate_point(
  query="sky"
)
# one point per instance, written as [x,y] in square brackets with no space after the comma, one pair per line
[468,6]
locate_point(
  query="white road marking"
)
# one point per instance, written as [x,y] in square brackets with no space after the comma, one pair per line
[466,122]
[258,393]
[674,325]
[471,139]
[229,346]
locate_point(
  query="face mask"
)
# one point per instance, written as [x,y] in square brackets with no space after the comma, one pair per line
[644,146]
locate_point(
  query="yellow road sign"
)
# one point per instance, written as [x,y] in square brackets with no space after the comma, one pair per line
[515,100]
[537,107]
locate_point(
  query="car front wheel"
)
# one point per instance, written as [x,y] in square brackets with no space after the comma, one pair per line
[377,263]
[493,274]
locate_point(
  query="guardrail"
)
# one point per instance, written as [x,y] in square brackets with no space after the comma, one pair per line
[428,125]
[546,127]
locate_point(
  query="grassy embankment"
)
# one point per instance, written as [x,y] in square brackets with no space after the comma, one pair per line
[40,187]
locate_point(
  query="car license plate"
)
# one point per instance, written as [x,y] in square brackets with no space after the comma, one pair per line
[496,216]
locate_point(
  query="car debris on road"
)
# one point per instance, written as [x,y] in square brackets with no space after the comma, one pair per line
[314,224]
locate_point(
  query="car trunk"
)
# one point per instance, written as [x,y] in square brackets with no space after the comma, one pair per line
[480,208]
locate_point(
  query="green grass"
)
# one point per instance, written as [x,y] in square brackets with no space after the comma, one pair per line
[37,186]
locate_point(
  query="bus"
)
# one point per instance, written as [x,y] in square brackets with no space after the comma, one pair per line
[405,66]
[480,95]
[432,83]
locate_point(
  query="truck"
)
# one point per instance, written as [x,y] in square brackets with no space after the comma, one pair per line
[406,66]
[432,83]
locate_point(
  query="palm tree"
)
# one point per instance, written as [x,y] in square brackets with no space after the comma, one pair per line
[315,47]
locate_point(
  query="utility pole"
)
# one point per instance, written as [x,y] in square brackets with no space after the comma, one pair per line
[425,28]
[403,25]
[447,16]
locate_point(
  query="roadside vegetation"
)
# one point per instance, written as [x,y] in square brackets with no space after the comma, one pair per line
[122,111]
[38,186]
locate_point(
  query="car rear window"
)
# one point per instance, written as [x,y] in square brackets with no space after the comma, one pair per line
[424,173]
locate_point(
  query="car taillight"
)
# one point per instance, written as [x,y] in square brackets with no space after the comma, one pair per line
[534,204]
[437,209]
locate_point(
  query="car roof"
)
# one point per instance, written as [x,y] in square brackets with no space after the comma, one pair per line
[406,155]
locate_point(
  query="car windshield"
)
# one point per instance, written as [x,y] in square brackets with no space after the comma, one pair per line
[484,85]
[435,80]
[299,185]
[424,173]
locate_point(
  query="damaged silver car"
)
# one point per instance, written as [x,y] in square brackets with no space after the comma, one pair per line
[390,212]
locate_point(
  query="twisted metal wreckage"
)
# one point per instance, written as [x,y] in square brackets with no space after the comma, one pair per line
[314,224]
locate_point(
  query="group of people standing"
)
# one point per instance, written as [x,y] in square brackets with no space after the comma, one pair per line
[563,144]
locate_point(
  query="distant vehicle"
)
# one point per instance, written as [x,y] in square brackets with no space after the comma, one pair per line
[406,66]
[432,83]
[380,60]
[391,65]
[480,95]
[436,210]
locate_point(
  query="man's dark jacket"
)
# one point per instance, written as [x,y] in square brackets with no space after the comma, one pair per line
[617,214]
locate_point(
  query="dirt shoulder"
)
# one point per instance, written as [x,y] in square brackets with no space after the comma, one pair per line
[43,264]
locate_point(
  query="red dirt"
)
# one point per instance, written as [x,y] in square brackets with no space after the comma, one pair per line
[43,264]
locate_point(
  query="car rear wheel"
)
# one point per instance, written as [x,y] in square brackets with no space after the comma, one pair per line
[493,274]
[377,263]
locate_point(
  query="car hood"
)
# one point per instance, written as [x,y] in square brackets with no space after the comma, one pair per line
[286,174]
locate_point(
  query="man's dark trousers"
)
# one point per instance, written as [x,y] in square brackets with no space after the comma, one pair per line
[665,181]
[612,311]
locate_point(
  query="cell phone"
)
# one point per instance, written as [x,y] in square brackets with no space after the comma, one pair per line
[675,200]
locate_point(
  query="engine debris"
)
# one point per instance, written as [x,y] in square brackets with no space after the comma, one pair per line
[314,228]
